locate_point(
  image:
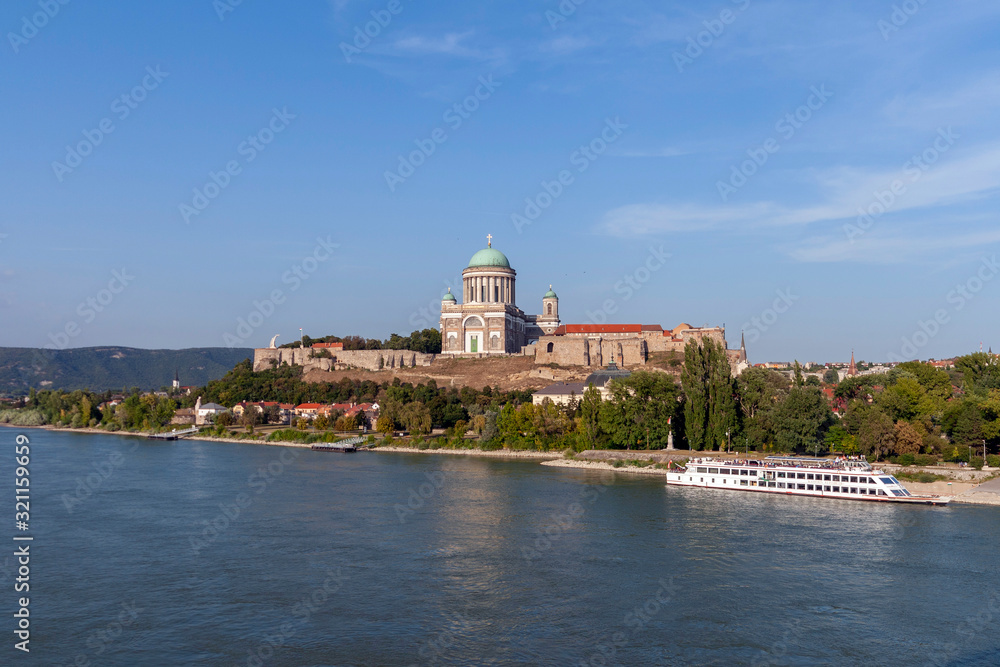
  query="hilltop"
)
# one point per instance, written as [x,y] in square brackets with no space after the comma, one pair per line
[111,367]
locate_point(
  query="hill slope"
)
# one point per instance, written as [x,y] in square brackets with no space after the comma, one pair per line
[101,368]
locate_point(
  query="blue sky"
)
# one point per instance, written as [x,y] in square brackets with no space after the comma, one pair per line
[739,138]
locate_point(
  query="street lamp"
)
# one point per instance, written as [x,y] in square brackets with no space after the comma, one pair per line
[728,442]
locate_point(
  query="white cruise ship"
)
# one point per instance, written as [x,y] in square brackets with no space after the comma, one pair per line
[845,478]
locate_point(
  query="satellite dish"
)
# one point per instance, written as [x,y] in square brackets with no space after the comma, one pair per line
[272,341]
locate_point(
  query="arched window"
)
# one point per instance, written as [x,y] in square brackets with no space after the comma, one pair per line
[549,347]
[549,310]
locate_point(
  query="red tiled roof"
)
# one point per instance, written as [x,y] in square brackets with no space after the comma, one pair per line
[336,346]
[603,328]
[309,406]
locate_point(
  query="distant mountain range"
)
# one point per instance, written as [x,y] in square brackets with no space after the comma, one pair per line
[102,368]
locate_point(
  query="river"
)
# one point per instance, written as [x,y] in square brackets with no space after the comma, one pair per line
[206,553]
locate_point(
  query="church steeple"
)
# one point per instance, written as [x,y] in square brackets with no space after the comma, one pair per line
[852,369]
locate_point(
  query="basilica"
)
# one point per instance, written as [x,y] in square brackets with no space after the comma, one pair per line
[488,321]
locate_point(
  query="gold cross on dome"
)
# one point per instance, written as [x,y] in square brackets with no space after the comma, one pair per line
[489,240]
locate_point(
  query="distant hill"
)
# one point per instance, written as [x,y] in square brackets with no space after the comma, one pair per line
[101,368]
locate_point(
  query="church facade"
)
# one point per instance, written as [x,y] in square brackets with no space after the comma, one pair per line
[488,320]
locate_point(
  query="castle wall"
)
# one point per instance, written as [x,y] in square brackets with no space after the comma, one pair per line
[594,351]
[372,360]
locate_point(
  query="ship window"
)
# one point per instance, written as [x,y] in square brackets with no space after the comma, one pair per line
[826,488]
[744,472]
[826,478]
[836,489]
[809,476]
[743,482]
[713,480]
[881,492]
[854,480]
[854,489]
[724,471]
[714,471]
[886,480]
[781,485]
[836,478]
[702,469]
[809,487]
[781,475]
[800,475]
[897,492]
[802,486]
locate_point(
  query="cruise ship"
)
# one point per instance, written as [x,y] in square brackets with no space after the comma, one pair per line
[844,478]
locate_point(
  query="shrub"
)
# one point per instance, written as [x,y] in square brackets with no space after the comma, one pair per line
[922,477]
[977,462]
[925,460]
[569,453]
[993,461]
[617,463]
[905,459]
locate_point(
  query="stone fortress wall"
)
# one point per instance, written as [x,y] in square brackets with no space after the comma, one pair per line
[312,359]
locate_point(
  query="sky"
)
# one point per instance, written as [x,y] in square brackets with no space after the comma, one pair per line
[821,176]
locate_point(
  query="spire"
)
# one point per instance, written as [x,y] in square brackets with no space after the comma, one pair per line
[852,369]
[743,347]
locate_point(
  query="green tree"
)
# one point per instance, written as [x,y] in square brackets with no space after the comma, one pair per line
[831,376]
[801,420]
[878,434]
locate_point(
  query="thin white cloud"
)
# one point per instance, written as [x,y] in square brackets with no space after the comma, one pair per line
[842,191]
[887,249]
[451,44]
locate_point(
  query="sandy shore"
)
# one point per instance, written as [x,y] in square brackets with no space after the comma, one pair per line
[601,465]
[489,454]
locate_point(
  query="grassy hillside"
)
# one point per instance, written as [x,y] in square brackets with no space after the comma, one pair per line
[100,368]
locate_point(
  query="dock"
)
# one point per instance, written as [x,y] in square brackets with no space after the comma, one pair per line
[343,447]
[172,435]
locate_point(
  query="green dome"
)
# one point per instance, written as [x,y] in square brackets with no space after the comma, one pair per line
[449,296]
[550,294]
[489,257]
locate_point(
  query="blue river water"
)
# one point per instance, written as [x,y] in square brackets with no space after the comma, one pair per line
[202,553]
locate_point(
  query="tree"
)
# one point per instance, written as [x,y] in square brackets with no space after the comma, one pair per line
[758,391]
[416,418]
[908,440]
[709,406]
[224,420]
[878,434]
[640,410]
[801,420]
[797,374]
[384,424]
[250,418]
[831,376]
[590,417]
